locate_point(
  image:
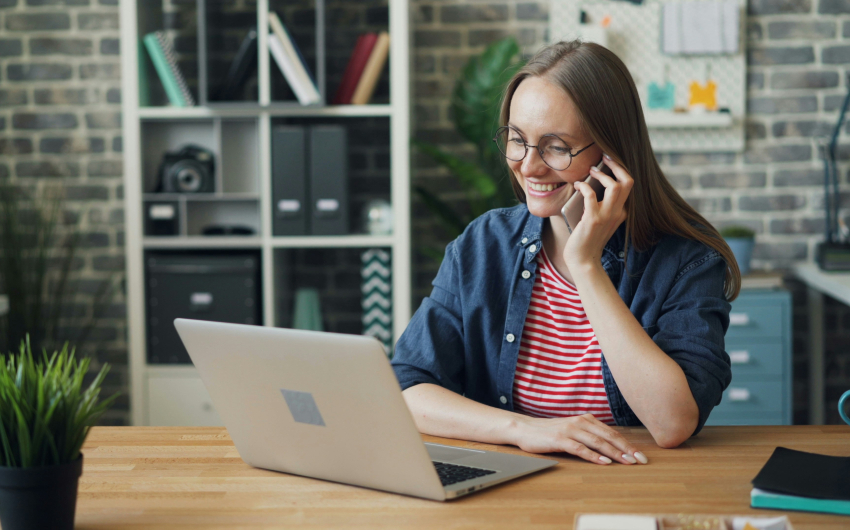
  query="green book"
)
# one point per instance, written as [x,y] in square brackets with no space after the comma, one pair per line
[144,84]
[777,501]
[162,55]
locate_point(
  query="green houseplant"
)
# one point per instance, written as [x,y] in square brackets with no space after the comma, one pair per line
[741,240]
[475,105]
[45,415]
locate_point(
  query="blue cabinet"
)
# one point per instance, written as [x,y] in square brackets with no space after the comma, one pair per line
[759,345]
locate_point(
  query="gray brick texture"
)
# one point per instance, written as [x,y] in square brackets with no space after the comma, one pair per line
[60,122]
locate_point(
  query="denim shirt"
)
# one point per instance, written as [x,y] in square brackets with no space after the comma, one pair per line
[466,335]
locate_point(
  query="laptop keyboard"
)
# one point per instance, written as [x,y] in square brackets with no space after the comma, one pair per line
[452,473]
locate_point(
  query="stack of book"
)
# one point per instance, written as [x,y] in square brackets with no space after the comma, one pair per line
[291,62]
[807,482]
[363,70]
[162,55]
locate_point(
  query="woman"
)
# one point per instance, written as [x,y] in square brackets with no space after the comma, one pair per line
[508,347]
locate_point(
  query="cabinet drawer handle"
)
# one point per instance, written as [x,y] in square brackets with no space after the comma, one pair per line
[739,394]
[739,356]
[739,319]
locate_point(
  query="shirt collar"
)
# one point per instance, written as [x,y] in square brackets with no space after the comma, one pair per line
[532,234]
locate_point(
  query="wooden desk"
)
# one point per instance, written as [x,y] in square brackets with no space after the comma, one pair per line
[192,477]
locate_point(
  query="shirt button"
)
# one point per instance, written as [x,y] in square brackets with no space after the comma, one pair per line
[622,253]
[511,337]
[526,274]
[524,240]
[532,249]
[503,399]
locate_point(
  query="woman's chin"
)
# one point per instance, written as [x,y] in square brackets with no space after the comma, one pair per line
[548,206]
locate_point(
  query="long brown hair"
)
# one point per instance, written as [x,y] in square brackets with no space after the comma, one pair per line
[610,112]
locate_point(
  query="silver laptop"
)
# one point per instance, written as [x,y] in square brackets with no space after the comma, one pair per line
[328,406]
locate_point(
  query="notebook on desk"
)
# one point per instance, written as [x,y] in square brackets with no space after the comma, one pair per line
[328,406]
[796,480]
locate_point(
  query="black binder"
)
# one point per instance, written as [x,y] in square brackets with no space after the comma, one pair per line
[289,181]
[328,180]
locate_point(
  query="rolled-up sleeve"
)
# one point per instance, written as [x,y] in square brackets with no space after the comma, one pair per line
[691,330]
[431,349]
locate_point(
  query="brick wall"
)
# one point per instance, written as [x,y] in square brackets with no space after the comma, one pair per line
[798,54]
[60,122]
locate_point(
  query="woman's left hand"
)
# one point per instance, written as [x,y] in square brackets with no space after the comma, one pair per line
[600,219]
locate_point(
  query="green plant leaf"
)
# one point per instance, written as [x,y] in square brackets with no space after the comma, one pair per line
[45,410]
[478,92]
[470,176]
[737,231]
[447,217]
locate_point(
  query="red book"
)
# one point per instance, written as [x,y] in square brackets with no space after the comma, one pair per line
[354,68]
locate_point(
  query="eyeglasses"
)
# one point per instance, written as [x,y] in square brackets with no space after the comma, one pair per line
[554,151]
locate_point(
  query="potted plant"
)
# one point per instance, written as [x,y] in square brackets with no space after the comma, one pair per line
[741,240]
[474,111]
[45,415]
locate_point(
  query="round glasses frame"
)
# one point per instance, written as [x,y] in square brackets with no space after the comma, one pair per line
[506,128]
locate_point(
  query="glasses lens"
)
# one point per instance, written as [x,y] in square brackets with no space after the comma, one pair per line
[556,153]
[511,144]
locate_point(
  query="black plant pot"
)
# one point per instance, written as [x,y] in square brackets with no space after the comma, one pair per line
[39,497]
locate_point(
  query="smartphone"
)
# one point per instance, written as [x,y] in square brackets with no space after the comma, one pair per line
[574,209]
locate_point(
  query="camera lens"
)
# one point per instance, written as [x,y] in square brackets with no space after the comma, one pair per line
[188,178]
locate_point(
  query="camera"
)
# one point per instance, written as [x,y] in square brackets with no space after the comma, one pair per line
[189,170]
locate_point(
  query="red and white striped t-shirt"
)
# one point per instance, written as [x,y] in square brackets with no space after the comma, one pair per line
[559,369]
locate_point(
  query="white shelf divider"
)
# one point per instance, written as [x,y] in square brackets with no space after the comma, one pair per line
[352,241]
[250,110]
[207,242]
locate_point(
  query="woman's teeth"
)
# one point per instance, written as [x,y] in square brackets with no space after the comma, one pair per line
[545,187]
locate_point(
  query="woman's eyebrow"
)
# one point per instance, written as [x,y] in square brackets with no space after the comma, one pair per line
[568,135]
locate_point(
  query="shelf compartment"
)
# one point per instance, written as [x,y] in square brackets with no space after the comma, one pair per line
[334,273]
[368,161]
[203,214]
[234,143]
[161,137]
[213,285]
[178,20]
[240,156]
[345,22]
[227,26]
[304,22]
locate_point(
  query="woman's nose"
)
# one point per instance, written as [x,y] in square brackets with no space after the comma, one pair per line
[533,164]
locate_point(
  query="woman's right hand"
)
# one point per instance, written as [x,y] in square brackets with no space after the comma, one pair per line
[583,436]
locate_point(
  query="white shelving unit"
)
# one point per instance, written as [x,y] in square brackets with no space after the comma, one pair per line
[173,394]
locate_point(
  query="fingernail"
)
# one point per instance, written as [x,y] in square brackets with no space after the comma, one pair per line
[630,459]
[604,459]
[641,457]
[606,156]
[593,168]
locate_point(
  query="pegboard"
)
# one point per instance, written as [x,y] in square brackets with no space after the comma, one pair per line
[634,35]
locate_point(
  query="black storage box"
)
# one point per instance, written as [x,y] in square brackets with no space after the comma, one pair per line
[216,286]
[162,218]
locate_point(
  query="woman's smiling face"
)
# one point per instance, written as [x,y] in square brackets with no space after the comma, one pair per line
[538,108]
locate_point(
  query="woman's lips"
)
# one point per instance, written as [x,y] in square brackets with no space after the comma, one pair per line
[536,193]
